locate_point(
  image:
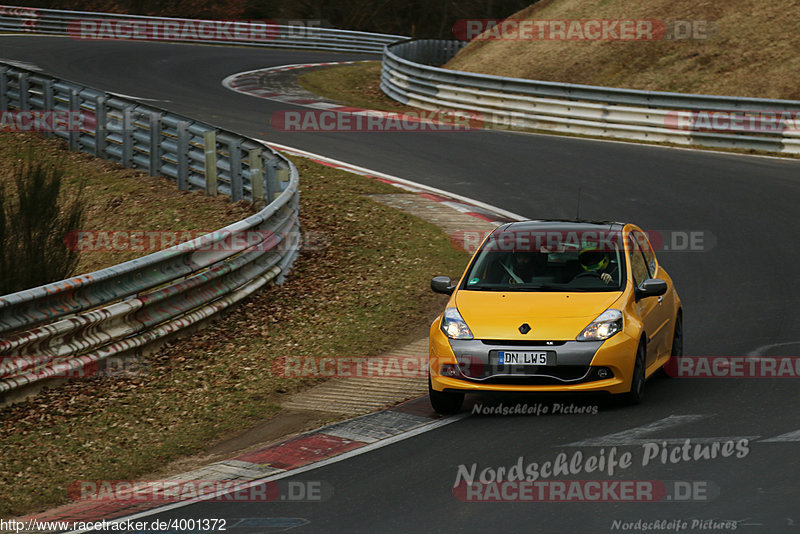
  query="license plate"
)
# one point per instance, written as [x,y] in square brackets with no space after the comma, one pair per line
[507,357]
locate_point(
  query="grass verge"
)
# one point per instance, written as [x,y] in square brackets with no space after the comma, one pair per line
[357,85]
[120,199]
[363,293]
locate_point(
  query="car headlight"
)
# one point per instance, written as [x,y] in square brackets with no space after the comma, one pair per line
[453,325]
[606,325]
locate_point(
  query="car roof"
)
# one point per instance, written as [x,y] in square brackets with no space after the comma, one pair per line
[562,224]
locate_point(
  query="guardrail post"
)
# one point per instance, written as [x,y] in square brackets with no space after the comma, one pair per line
[256,176]
[74,105]
[100,131]
[270,171]
[282,180]
[210,147]
[47,100]
[47,95]
[236,170]
[155,144]
[24,105]
[127,136]
[183,155]
[3,88]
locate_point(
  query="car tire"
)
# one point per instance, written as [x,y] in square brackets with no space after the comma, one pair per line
[445,402]
[636,393]
[671,366]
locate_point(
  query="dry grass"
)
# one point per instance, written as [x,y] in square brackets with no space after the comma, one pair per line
[366,290]
[121,199]
[752,50]
[357,85]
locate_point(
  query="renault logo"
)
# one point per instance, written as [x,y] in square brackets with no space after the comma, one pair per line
[524,328]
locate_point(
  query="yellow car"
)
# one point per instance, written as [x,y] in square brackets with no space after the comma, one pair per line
[546,306]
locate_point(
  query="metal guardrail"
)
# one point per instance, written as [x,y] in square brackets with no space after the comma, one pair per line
[91,25]
[411,75]
[56,329]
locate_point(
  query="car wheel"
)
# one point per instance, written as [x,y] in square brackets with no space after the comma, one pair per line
[445,402]
[671,367]
[636,393]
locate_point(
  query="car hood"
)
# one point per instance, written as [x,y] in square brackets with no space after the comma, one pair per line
[551,315]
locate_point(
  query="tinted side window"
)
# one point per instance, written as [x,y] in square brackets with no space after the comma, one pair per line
[647,251]
[638,265]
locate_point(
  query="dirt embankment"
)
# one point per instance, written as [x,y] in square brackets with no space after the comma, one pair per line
[737,47]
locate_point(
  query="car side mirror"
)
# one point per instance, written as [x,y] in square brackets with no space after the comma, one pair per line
[651,288]
[442,284]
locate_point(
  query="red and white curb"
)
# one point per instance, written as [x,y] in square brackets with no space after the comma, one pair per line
[324,446]
[249,83]
[460,203]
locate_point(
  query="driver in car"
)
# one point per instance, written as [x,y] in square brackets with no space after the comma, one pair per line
[596,262]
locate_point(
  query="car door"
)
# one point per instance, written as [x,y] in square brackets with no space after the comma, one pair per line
[652,311]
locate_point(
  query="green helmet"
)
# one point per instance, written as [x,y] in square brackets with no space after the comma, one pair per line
[593,259]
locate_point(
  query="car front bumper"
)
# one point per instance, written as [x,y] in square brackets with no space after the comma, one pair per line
[577,365]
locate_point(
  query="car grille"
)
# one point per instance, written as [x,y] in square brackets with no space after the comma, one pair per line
[522,342]
[557,374]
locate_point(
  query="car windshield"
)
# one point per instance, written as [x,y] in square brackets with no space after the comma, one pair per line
[556,260]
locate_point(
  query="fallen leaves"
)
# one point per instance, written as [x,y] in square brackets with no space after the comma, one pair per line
[373,272]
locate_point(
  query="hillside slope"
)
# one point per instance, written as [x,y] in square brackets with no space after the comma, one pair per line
[751,49]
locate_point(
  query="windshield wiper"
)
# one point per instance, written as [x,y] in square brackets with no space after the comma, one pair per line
[598,289]
[484,287]
[517,287]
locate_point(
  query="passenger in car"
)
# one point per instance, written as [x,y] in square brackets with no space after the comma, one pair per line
[524,267]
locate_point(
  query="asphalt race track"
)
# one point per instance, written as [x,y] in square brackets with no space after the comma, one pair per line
[740,297]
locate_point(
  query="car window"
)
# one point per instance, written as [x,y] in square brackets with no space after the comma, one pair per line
[638,263]
[647,251]
[556,260]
